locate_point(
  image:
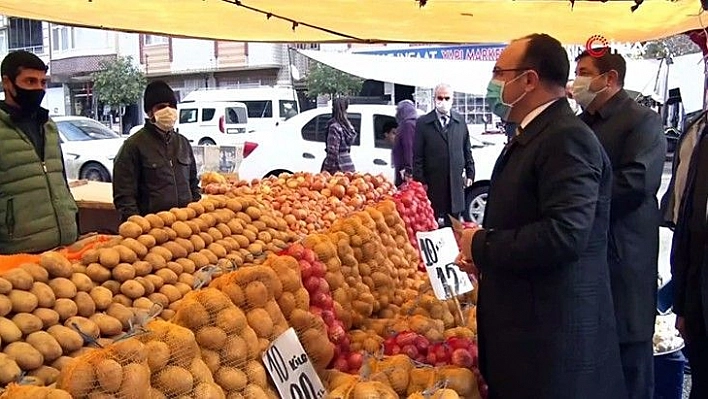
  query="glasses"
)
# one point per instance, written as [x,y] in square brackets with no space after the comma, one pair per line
[441,98]
[497,71]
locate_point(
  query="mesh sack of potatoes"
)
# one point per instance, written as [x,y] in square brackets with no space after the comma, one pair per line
[458,379]
[229,346]
[255,289]
[118,371]
[16,391]
[393,371]
[176,365]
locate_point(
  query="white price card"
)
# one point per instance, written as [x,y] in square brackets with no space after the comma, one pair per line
[291,370]
[439,250]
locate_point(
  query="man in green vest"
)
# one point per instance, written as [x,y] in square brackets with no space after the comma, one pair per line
[37,210]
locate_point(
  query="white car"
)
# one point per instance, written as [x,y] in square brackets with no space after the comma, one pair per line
[298,144]
[89,148]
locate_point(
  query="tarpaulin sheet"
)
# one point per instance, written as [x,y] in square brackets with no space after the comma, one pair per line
[440,21]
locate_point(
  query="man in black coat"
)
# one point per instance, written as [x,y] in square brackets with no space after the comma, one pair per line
[155,169]
[442,156]
[545,317]
[684,210]
[633,137]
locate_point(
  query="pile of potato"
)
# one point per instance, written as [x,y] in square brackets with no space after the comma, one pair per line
[176,365]
[397,377]
[229,346]
[258,290]
[44,307]
[120,371]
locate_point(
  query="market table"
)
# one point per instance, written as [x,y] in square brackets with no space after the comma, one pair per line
[96,210]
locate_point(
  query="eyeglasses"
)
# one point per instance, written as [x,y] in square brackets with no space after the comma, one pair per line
[497,71]
[441,98]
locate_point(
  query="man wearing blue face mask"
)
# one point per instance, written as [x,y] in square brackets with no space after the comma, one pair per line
[442,155]
[633,138]
[545,318]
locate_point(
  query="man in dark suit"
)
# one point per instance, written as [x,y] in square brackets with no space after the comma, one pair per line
[442,153]
[545,317]
[633,137]
[684,210]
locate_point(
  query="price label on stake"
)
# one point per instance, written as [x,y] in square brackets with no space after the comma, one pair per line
[291,370]
[439,250]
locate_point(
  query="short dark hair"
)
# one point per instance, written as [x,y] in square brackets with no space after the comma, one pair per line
[14,62]
[545,55]
[389,125]
[607,62]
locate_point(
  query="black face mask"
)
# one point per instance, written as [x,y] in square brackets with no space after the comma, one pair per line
[28,100]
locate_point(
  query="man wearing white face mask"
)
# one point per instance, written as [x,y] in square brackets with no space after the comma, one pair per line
[633,138]
[442,154]
[155,168]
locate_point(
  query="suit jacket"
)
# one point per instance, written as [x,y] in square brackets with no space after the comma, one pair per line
[545,317]
[633,137]
[440,157]
[677,207]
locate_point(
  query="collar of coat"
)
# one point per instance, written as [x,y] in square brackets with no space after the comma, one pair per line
[612,106]
[432,117]
[560,107]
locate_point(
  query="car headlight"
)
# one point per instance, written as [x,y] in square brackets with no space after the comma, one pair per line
[71,156]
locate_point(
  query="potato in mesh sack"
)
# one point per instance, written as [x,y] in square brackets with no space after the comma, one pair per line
[16,391]
[119,371]
[255,290]
[229,346]
[175,362]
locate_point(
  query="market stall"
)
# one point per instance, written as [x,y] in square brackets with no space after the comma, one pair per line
[96,210]
[198,301]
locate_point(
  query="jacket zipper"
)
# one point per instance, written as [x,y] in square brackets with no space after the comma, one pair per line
[172,169]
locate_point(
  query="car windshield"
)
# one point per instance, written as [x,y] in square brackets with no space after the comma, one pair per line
[85,130]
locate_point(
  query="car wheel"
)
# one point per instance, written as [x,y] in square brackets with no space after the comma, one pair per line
[276,173]
[94,172]
[476,199]
[206,142]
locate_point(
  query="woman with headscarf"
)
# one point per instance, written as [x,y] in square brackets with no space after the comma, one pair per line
[340,137]
[406,116]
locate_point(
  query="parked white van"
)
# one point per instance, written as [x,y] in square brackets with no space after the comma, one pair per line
[267,106]
[212,123]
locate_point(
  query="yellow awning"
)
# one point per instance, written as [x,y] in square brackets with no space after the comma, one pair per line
[440,21]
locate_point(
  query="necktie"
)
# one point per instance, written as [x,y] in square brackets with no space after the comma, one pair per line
[443,119]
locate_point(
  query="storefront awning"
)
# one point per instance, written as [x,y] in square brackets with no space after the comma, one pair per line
[439,21]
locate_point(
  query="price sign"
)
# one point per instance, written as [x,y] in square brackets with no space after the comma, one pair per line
[439,250]
[291,370]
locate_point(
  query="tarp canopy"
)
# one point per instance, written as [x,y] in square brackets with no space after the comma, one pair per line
[647,77]
[439,21]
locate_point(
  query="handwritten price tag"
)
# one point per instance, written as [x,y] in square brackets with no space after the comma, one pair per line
[439,251]
[291,370]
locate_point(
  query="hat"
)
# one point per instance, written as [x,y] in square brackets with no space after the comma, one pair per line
[158,92]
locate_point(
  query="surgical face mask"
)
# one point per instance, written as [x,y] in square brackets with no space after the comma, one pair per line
[165,118]
[582,93]
[495,98]
[443,105]
[28,100]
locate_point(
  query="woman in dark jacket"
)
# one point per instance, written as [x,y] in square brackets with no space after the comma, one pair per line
[340,137]
[406,116]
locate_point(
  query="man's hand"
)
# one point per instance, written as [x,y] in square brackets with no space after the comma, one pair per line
[466,245]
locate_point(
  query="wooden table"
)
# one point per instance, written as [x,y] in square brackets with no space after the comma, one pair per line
[96,210]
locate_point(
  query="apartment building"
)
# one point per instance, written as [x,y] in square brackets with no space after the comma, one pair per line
[74,54]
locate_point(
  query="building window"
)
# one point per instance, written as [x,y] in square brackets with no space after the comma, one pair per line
[25,34]
[63,38]
[3,42]
[154,39]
